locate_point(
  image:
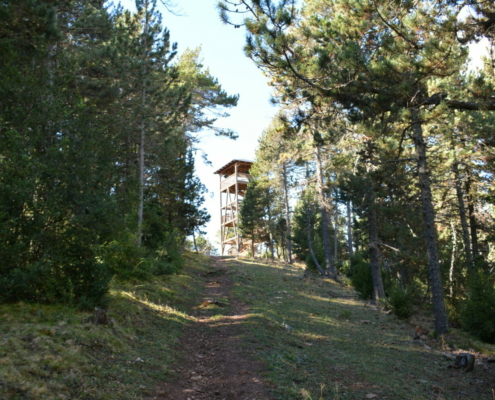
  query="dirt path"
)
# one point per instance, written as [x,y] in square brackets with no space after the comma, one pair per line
[214,364]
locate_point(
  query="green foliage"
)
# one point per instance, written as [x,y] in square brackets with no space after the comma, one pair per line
[169,259]
[478,310]
[73,79]
[306,218]
[360,276]
[399,300]
[253,211]
[126,260]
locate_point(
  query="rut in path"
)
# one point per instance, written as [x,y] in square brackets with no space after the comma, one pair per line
[214,364]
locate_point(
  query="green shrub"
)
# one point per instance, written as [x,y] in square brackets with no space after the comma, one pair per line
[169,259]
[360,276]
[68,280]
[478,310]
[400,302]
[127,261]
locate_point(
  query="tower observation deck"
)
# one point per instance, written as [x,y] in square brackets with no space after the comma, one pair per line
[234,178]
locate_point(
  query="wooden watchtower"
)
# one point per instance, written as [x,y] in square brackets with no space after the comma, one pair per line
[234,178]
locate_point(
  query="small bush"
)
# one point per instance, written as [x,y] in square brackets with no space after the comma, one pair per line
[169,259]
[478,310]
[399,301]
[126,260]
[360,276]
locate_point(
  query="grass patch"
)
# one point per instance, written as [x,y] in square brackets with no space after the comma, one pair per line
[319,342]
[46,352]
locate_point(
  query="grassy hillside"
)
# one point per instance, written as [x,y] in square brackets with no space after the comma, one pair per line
[320,342]
[316,339]
[48,352]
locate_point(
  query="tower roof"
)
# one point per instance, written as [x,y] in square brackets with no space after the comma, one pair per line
[226,169]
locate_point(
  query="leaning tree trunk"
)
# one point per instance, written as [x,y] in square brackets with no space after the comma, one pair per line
[462,215]
[441,321]
[287,215]
[376,272]
[195,244]
[330,267]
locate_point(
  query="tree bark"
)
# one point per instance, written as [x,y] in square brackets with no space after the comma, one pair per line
[453,257]
[194,240]
[282,247]
[330,267]
[441,321]
[349,230]
[252,245]
[462,215]
[143,132]
[335,235]
[376,272]
[272,256]
[270,233]
[287,214]
[472,222]
[310,243]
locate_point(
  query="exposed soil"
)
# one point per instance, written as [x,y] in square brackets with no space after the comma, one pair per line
[215,364]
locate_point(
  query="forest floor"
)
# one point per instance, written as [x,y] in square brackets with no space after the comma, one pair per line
[225,329]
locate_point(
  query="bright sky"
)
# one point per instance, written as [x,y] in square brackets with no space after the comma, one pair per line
[222,50]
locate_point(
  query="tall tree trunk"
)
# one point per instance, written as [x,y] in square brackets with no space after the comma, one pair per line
[376,272]
[349,230]
[141,179]
[441,321]
[271,247]
[330,267]
[287,214]
[270,233]
[310,243]
[335,235]
[452,258]
[252,245]
[143,129]
[462,215]
[472,221]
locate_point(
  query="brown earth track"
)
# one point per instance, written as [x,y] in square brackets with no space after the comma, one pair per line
[214,363]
